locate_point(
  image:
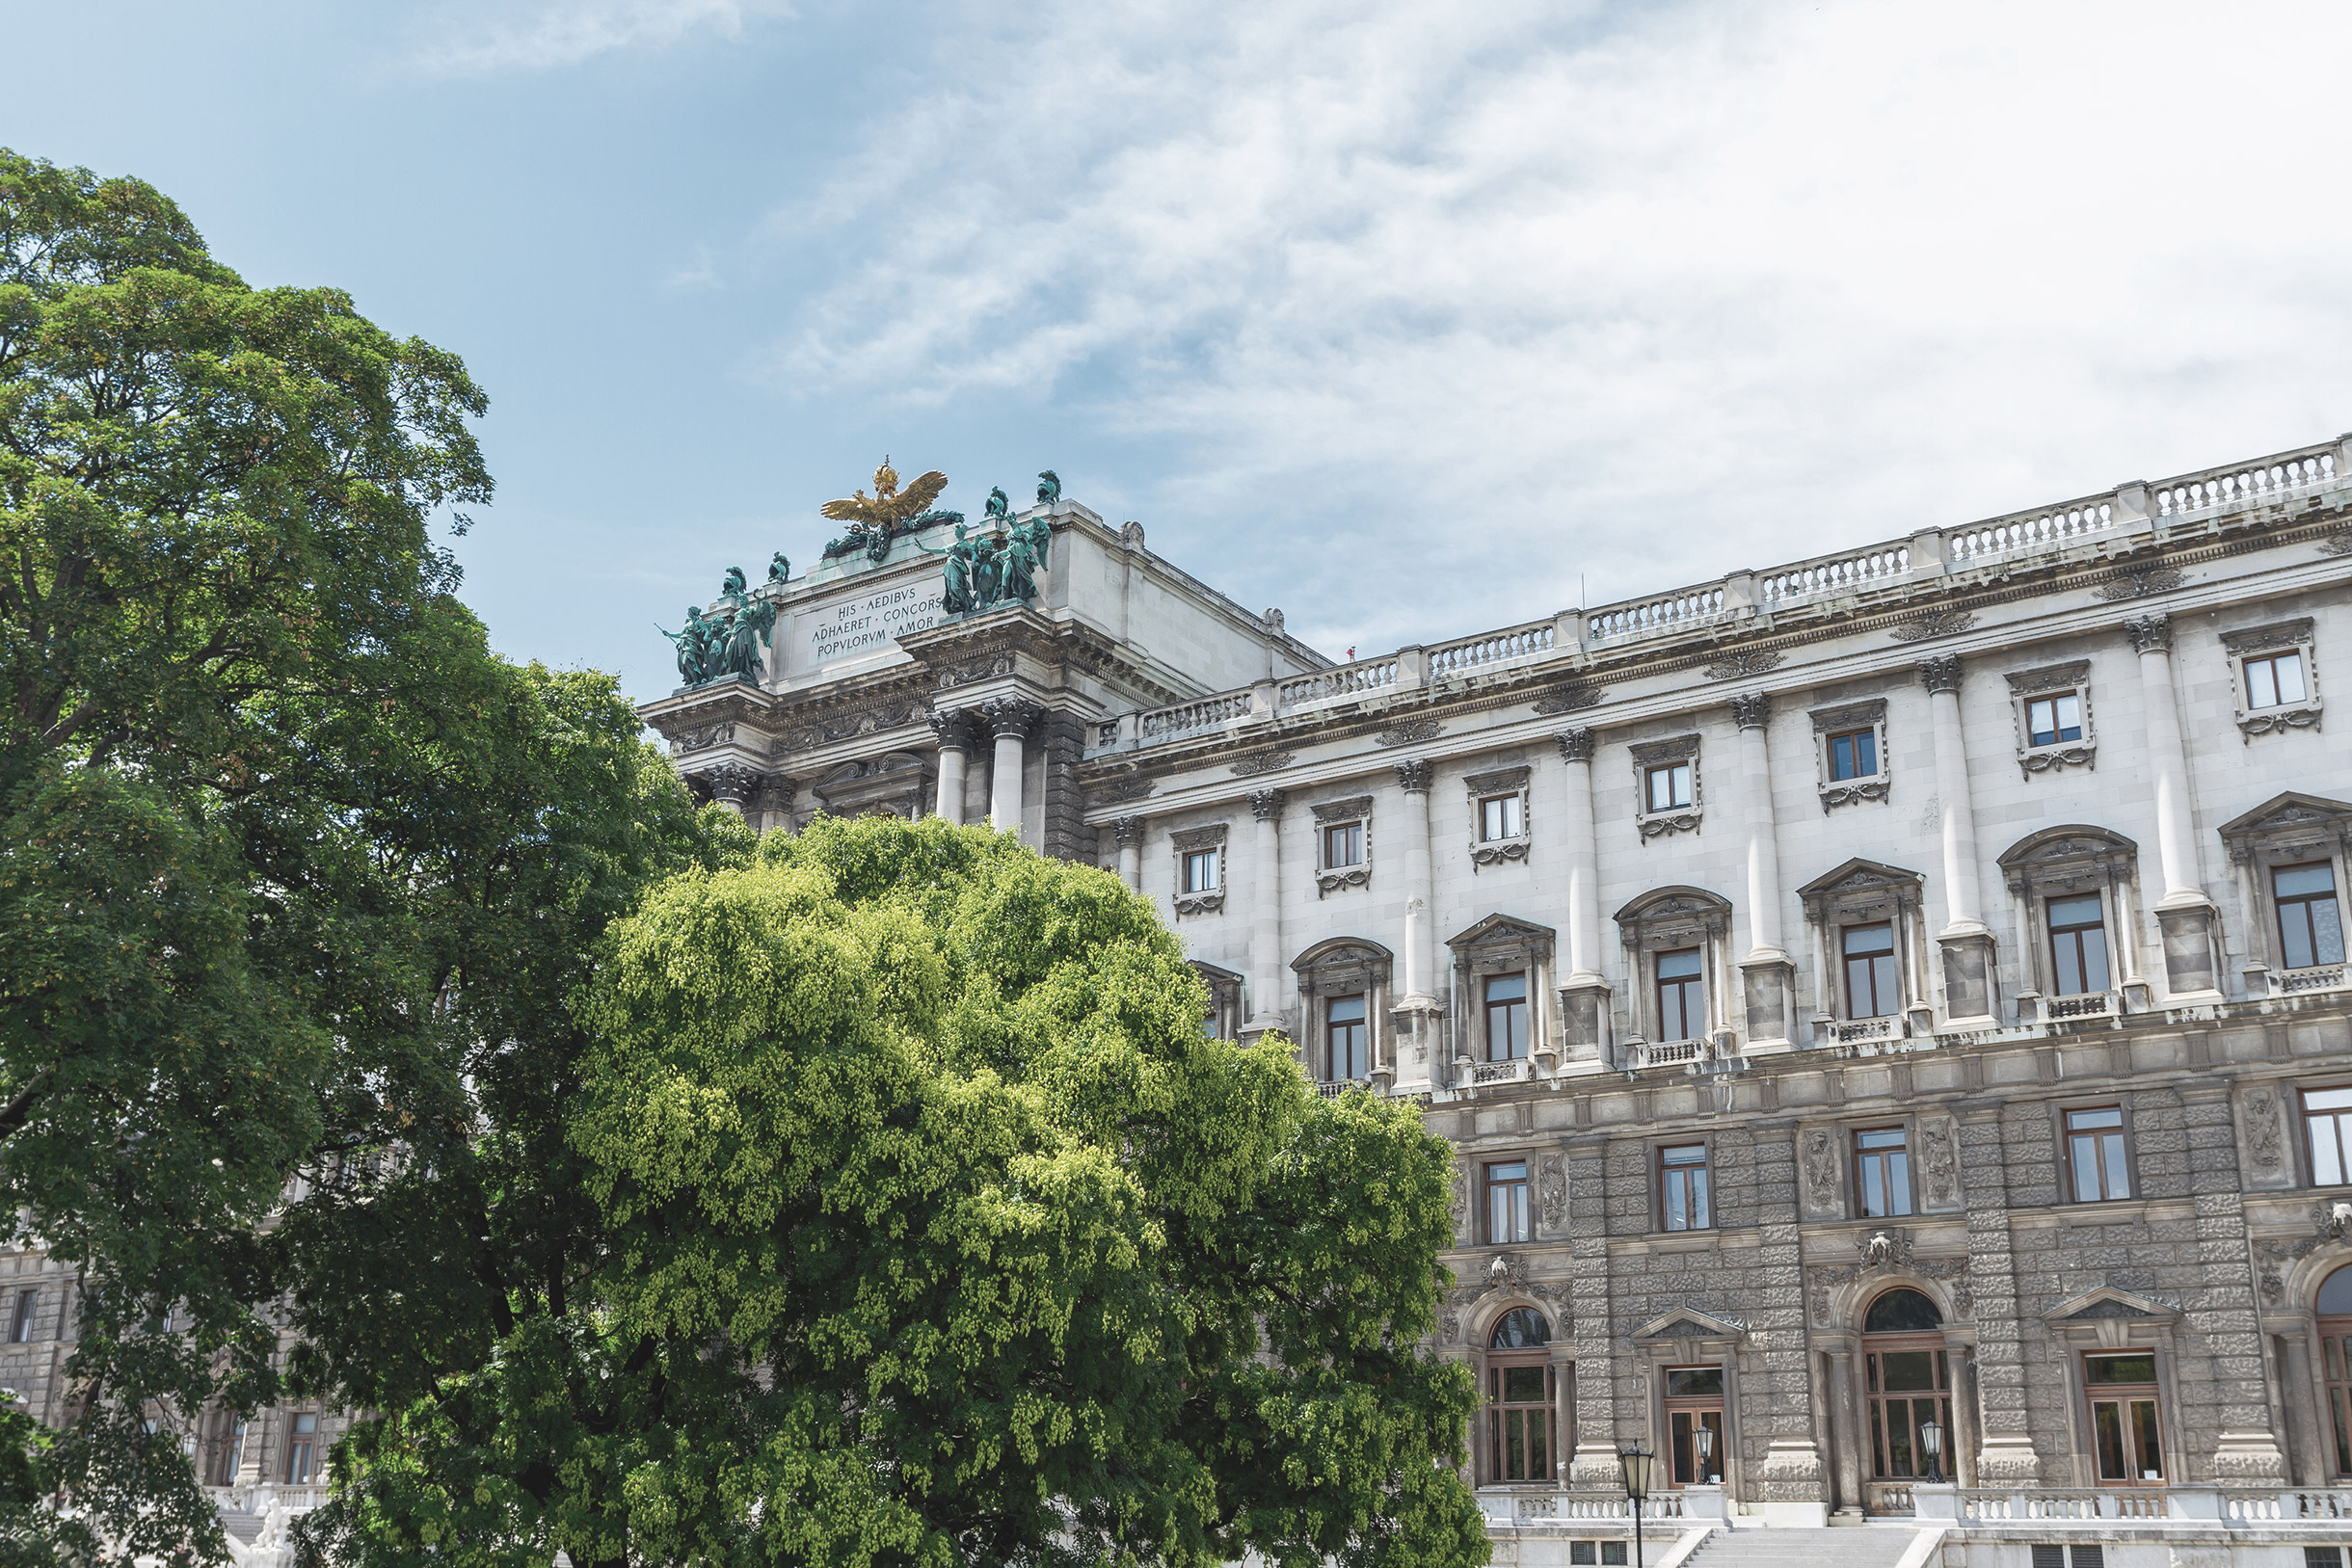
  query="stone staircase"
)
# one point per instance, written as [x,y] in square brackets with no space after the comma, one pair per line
[1872,1547]
[242,1527]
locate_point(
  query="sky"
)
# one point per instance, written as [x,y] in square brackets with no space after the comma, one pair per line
[1414,321]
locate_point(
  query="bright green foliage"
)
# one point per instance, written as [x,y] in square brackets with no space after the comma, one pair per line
[935,1233]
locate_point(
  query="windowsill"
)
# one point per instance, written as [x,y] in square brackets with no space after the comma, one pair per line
[2063,753]
[1661,824]
[2264,721]
[1847,791]
[2104,1211]
[1497,851]
[1684,1241]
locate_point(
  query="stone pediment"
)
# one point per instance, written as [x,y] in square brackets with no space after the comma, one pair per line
[1500,930]
[2108,1302]
[1864,880]
[2287,812]
[1668,902]
[1691,1323]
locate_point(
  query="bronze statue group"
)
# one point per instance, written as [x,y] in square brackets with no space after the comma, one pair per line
[986,570]
[729,640]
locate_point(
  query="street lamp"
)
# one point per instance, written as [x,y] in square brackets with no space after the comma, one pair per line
[1931,1439]
[1702,1444]
[1637,1463]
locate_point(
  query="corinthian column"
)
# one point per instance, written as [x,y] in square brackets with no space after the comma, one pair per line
[2184,912]
[1584,994]
[1766,972]
[1265,923]
[1129,831]
[953,727]
[1967,944]
[1417,1021]
[1009,719]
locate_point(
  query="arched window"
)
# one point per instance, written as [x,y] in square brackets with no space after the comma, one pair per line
[1520,1394]
[2335,1359]
[1906,1379]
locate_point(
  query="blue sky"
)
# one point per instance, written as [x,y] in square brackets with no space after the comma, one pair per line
[1410,319]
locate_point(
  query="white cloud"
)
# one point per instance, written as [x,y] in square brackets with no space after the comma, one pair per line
[547,37]
[1439,307]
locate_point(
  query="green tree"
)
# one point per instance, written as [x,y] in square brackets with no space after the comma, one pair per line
[926,1228]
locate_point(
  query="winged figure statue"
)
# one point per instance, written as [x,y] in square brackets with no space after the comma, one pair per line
[889,506]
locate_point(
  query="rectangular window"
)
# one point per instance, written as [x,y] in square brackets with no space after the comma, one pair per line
[2078,946]
[1853,754]
[1519,1413]
[2086,1555]
[2125,1444]
[1599,1553]
[1506,1018]
[1670,786]
[21,1332]
[1682,1186]
[2323,1557]
[1499,817]
[301,1449]
[1506,1203]
[1870,969]
[2049,720]
[1347,1039]
[2310,926]
[1344,845]
[1882,1162]
[2327,1128]
[2095,1153]
[1200,870]
[1682,996]
[2274,680]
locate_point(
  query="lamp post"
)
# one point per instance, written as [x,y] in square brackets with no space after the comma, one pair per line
[1930,1440]
[1702,1444]
[1637,1463]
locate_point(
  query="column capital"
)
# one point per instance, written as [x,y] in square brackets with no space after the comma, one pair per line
[2150,633]
[1413,775]
[1576,745]
[1751,710]
[956,727]
[1940,673]
[1265,805]
[1010,716]
[731,783]
[1128,830]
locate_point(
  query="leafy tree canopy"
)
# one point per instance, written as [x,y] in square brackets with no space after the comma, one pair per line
[926,1228]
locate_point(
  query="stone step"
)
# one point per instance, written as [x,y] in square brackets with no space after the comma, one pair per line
[241,1525]
[1871,1546]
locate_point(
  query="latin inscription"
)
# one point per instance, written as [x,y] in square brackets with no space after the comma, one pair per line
[866,625]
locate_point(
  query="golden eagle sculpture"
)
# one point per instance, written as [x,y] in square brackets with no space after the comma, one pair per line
[889,506]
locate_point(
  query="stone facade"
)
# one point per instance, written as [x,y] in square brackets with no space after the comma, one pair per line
[1657,829]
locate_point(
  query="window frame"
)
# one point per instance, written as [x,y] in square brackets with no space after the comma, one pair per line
[2051,932]
[1679,1174]
[2340,1131]
[2243,647]
[2047,683]
[305,1445]
[1522,1216]
[1653,822]
[2068,1132]
[1682,984]
[1891,958]
[1498,784]
[1898,1171]
[2151,1393]
[25,1319]
[1833,724]
[1210,838]
[1340,817]
[2278,903]
[1524,1004]
[1361,1048]
[1343,967]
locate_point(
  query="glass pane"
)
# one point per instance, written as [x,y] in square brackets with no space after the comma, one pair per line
[1581,1552]
[1347,1009]
[1506,987]
[1685,1154]
[1874,1188]
[2335,1293]
[1521,1328]
[2119,1178]
[2327,931]
[2290,676]
[1886,1137]
[2328,1099]
[1523,1385]
[2339,1404]
[2121,1368]
[2295,934]
[2082,1153]
[1902,1311]
[2079,911]
[1678,1208]
[1538,1445]
[2069,717]
[2149,1453]
[2110,1117]
[1899,1438]
[2327,1155]
[2093,959]
[1694,1382]
[1512,1171]
[2107,1439]
[1613,1554]
[2261,684]
[1514,1453]
[1519,1230]
[1907,1369]
[1678,966]
[2294,879]
[1841,756]
[1870,939]
[1700,1220]
[1877,1439]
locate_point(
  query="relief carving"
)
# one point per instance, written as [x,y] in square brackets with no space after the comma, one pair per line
[1552,1195]
[1743,664]
[2262,1136]
[1918,628]
[1821,1168]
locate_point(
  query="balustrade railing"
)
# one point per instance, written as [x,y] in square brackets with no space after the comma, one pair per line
[1612,1506]
[1853,1032]
[1530,641]
[2293,982]
[1670,613]
[1327,685]
[1510,1072]
[2035,531]
[2218,489]
[2089,1004]
[2050,1503]
[1841,576]
[1190,718]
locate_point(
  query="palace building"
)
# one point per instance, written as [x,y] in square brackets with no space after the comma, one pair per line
[1890,1010]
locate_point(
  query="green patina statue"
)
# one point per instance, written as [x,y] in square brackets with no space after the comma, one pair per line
[981,571]
[779,568]
[732,639]
[734,586]
[1000,504]
[1049,489]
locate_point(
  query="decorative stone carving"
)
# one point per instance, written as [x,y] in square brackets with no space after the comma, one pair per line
[1938,1163]
[1679,819]
[1568,698]
[1743,664]
[1823,1161]
[971,670]
[1918,628]
[2151,633]
[1889,1252]
[730,783]
[2335,541]
[1552,1195]
[2023,686]
[703,738]
[1331,879]
[891,713]
[1257,762]
[1127,829]
[2138,582]
[1751,710]
[1010,715]
[2264,1137]
[1127,789]
[1265,805]
[1409,731]
[2047,676]
[1506,1271]
[1576,745]
[1940,673]
[956,728]
[1484,851]
[1413,775]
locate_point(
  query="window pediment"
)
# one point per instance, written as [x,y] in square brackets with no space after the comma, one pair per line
[2048,677]
[1498,781]
[2292,823]
[1341,965]
[1673,917]
[1205,837]
[1501,941]
[1861,889]
[1691,1323]
[2069,859]
[1343,811]
[2109,1302]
